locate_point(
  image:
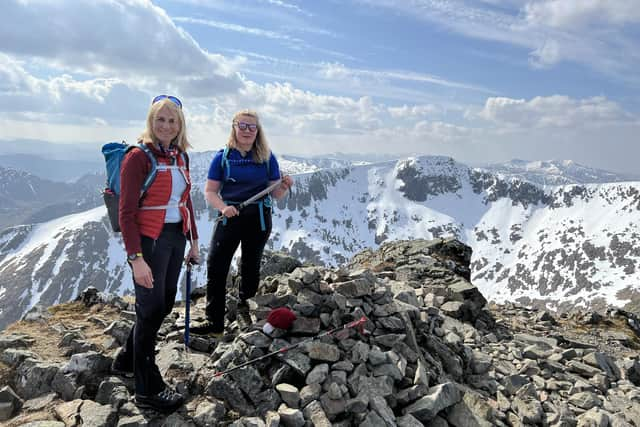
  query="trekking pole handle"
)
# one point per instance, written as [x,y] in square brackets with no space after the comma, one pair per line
[253,198]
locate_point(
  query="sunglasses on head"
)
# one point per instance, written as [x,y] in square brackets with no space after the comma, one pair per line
[169,97]
[246,126]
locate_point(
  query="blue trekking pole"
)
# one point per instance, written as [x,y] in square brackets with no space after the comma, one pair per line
[187,307]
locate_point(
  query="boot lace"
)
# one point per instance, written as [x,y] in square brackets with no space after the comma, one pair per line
[169,394]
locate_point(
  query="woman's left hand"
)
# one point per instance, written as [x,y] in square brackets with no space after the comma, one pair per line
[287,182]
[193,255]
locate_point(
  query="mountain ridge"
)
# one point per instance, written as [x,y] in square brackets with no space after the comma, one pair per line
[334,213]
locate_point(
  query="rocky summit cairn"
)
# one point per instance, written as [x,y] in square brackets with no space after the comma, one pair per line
[432,352]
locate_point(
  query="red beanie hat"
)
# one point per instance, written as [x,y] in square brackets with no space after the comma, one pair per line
[281,318]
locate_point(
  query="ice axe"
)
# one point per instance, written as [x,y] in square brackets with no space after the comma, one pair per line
[252,199]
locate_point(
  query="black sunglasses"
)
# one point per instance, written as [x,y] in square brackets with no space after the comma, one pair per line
[169,97]
[246,126]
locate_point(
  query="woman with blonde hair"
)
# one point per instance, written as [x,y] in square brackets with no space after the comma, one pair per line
[245,167]
[155,227]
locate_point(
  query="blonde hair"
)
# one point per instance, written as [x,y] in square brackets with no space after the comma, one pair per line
[260,151]
[180,140]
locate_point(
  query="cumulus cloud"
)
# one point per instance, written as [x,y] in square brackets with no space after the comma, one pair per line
[64,97]
[412,111]
[555,111]
[129,39]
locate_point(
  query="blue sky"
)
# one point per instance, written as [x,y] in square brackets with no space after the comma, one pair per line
[482,81]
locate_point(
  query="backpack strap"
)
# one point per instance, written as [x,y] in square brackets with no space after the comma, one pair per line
[225,164]
[185,159]
[154,168]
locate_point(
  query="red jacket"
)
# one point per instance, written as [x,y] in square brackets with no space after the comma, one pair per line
[135,221]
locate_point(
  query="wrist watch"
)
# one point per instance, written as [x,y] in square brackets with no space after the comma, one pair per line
[133,257]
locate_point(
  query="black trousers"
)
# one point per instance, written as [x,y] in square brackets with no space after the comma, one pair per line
[244,230]
[165,257]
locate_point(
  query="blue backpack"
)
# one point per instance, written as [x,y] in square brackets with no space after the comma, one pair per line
[114,153]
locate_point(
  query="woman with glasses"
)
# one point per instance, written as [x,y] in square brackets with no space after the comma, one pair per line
[244,168]
[155,227]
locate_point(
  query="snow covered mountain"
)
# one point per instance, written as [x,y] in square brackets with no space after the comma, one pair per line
[555,172]
[560,246]
[26,198]
[51,169]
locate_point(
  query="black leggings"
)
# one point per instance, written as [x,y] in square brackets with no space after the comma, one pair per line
[164,256]
[244,230]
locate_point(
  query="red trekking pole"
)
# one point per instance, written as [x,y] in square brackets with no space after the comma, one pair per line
[359,324]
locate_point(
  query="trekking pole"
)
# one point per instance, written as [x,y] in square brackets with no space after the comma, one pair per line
[187,306]
[355,324]
[252,199]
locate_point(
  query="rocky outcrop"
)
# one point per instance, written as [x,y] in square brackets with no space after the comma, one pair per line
[398,337]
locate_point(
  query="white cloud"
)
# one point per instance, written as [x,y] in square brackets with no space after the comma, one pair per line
[129,39]
[577,14]
[546,55]
[590,32]
[336,71]
[413,111]
[286,5]
[553,112]
[258,32]
[23,95]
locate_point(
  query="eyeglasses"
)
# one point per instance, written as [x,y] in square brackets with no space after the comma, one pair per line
[246,126]
[169,97]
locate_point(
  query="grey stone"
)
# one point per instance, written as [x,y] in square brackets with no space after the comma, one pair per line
[372,420]
[354,288]
[380,406]
[604,363]
[132,421]
[88,362]
[315,414]
[86,412]
[299,362]
[209,413]
[332,407]
[585,400]
[318,374]
[290,417]
[14,357]
[471,411]
[593,418]
[583,369]
[225,389]
[440,397]
[408,421]
[529,409]
[310,393]
[34,378]
[289,394]
[358,404]
[323,352]
[512,383]
[305,326]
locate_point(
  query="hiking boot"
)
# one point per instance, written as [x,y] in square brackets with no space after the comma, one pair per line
[167,401]
[242,316]
[206,328]
[122,365]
